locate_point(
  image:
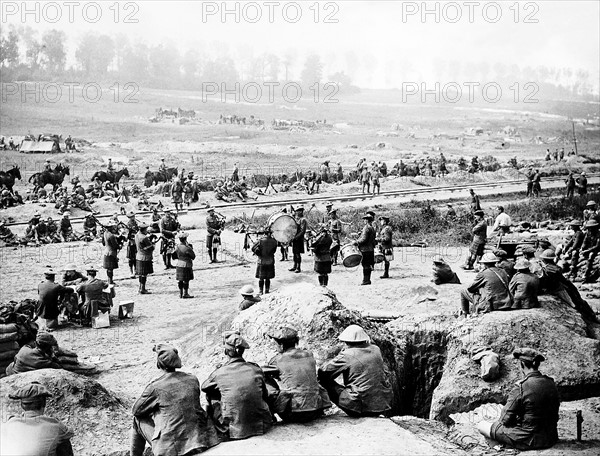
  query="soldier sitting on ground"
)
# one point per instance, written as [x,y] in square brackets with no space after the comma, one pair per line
[366,390]
[524,286]
[33,432]
[42,355]
[442,272]
[294,392]
[529,418]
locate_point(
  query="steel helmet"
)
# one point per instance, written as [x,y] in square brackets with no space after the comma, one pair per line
[247,290]
[354,333]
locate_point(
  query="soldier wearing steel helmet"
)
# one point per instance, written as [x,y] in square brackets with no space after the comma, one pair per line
[294,391]
[590,247]
[367,390]
[524,286]
[247,292]
[236,393]
[529,418]
[489,290]
[34,433]
[573,246]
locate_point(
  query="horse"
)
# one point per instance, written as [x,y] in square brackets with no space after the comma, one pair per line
[114,177]
[164,176]
[54,177]
[8,177]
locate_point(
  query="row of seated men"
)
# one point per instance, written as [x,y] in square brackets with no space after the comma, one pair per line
[244,399]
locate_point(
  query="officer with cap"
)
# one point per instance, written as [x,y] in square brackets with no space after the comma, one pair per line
[524,286]
[236,393]
[294,391]
[479,239]
[504,262]
[367,390]
[168,415]
[247,292]
[184,271]
[41,356]
[112,245]
[49,294]
[366,244]
[529,418]
[298,241]
[34,433]
[489,290]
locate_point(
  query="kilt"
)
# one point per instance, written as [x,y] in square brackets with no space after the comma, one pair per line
[298,245]
[184,273]
[323,267]
[477,248]
[177,198]
[143,268]
[368,259]
[110,262]
[265,271]
[131,250]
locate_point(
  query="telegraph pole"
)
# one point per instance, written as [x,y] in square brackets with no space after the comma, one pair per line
[574,138]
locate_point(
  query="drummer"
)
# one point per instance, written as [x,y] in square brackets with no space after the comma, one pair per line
[298,241]
[321,246]
[366,244]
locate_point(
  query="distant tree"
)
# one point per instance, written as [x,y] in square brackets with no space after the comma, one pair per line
[220,71]
[288,62]
[344,82]
[95,53]
[313,71]
[9,49]
[274,63]
[136,63]
[190,65]
[53,49]
[165,65]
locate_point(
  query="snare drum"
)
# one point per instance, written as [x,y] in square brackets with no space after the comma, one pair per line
[351,256]
[283,226]
[379,257]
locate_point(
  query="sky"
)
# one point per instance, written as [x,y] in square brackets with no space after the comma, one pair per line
[388,37]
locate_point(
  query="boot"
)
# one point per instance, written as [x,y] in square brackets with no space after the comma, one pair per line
[326,280]
[366,277]
[298,267]
[186,294]
[321,280]
[386,272]
[267,285]
[210,255]
[293,268]
[215,256]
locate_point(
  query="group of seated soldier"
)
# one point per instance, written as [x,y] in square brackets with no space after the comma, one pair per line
[9,198]
[231,191]
[48,231]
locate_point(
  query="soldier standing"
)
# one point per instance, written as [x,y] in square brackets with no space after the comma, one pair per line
[335,229]
[177,194]
[365,179]
[582,184]
[340,173]
[112,246]
[475,202]
[132,227]
[375,180]
[214,227]
[321,247]
[66,230]
[366,244]
[265,249]
[570,181]
[537,188]
[143,258]
[298,241]
[168,228]
[184,272]
[529,176]
[110,167]
[385,244]
[478,243]
[148,177]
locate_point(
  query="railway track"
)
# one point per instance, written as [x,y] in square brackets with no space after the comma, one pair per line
[313,199]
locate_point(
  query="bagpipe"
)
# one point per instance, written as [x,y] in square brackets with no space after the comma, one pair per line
[122,234]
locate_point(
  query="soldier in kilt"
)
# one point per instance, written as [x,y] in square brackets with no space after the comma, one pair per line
[321,247]
[143,258]
[298,241]
[265,250]
[168,227]
[184,254]
[132,226]
[112,245]
[479,239]
[385,245]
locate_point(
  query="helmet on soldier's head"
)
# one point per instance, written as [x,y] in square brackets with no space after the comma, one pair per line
[354,333]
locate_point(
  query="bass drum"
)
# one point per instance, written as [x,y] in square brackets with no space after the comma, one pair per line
[283,226]
[351,256]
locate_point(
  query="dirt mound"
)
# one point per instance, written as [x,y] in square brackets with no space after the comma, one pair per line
[97,416]
[319,318]
[558,331]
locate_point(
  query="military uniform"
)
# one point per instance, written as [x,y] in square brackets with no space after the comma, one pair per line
[443,273]
[94,299]
[168,228]
[572,249]
[298,242]
[321,247]
[295,394]
[265,250]
[387,248]
[529,418]
[367,390]
[366,244]
[143,257]
[479,238]
[213,228]
[489,291]
[111,250]
[132,227]
[525,288]
[237,396]
[34,433]
[169,416]
[30,359]
[335,228]
[49,294]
